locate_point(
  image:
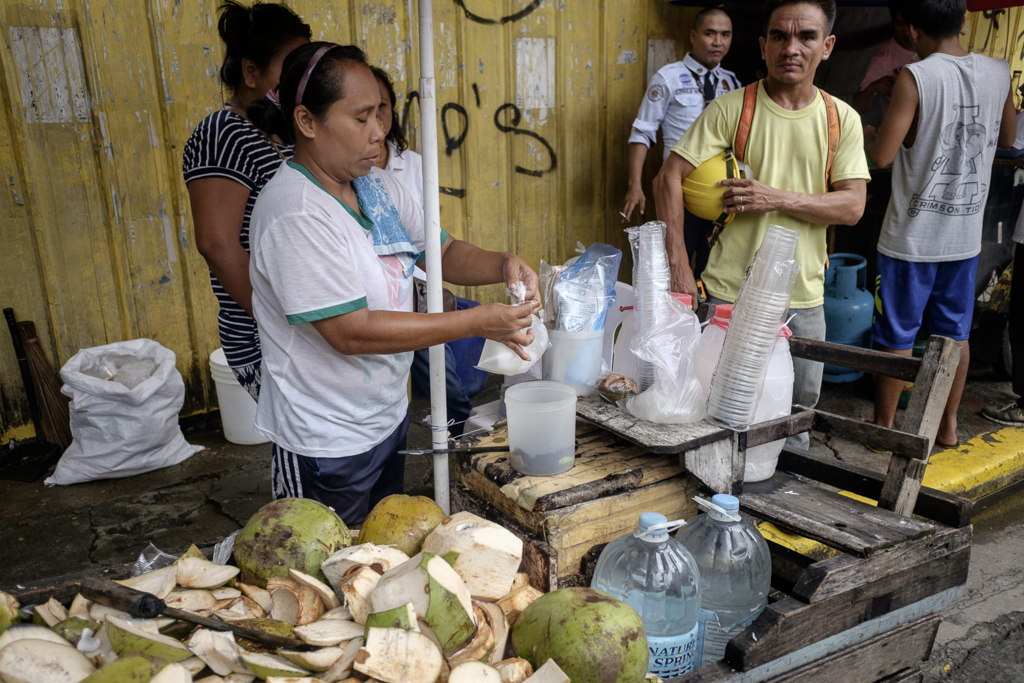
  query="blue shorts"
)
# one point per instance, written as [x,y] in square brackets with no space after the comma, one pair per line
[909,294]
[350,485]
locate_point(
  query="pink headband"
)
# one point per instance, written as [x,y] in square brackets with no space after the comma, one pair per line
[309,70]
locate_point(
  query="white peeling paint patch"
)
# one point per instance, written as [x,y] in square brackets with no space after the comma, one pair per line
[50,71]
[448,57]
[172,253]
[535,73]
[659,53]
[107,147]
[626,57]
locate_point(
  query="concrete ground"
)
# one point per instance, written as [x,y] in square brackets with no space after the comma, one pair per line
[51,532]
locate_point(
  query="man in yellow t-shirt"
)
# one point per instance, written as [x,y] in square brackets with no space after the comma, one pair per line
[786,158]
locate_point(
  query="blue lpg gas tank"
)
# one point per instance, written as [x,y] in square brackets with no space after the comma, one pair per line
[848,309]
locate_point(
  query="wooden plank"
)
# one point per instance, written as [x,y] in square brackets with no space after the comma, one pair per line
[718,465]
[657,438]
[836,575]
[788,567]
[800,421]
[922,417]
[906,676]
[715,672]
[900,443]
[826,516]
[864,360]
[878,658]
[604,465]
[790,625]
[933,504]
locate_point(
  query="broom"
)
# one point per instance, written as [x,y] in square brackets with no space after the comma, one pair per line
[56,414]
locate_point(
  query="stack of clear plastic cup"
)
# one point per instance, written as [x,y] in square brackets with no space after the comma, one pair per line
[760,309]
[651,277]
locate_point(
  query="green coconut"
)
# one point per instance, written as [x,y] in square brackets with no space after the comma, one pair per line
[71,628]
[131,669]
[269,626]
[290,533]
[401,521]
[593,637]
[10,612]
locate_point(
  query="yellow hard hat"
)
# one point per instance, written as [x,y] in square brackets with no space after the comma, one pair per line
[701,196]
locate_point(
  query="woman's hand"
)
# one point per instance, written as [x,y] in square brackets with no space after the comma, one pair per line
[515,270]
[505,324]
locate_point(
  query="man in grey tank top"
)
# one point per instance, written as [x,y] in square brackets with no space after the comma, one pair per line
[948,113]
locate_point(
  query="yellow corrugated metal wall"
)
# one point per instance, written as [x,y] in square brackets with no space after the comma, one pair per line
[536,99]
[1000,34]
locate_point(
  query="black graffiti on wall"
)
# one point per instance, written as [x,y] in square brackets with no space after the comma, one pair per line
[502,20]
[993,17]
[455,135]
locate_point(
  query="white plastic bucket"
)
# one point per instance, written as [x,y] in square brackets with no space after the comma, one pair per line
[541,427]
[574,358]
[237,407]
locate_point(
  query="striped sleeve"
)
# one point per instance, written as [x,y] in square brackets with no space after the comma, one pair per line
[225,145]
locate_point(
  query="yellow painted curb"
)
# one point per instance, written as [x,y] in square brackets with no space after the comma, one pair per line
[984,464]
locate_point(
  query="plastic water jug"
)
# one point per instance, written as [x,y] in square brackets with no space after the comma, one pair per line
[776,395]
[655,575]
[848,309]
[735,568]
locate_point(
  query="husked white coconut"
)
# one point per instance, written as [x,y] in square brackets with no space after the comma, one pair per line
[40,661]
[499,625]
[514,670]
[99,613]
[326,593]
[219,650]
[329,632]
[30,632]
[474,672]
[226,593]
[549,673]
[193,665]
[315,660]
[79,606]
[515,602]
[380,558]
[191,600]
[196,572]
[485,555]
[436,592]
[356,587]
[259,595]
[294,602]
[342,613]
[521,581]
[159,582]
[52,612]
[395,655]
[172,673]
[342,667]
[240,608]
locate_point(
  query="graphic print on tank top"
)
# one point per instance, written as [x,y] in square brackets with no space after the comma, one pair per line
[955,185]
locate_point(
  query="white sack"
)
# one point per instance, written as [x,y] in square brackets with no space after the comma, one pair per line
[121,432]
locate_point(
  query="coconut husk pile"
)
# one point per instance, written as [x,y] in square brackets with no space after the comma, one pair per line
[441,615]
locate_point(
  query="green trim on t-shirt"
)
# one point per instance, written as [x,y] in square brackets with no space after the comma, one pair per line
[423,254]
[324,313]
[366,223]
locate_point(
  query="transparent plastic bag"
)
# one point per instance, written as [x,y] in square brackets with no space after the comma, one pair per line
[151,559]
[583,292]
[222,551]
[675,397]
[547,275]
[501,360]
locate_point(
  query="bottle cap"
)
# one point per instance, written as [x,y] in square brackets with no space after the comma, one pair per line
[649,519]
[684,299]
[730,504]
[723,311]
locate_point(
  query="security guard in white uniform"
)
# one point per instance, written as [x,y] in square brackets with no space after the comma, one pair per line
[675,98]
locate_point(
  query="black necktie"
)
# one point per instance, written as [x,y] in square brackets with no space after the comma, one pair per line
[709,87]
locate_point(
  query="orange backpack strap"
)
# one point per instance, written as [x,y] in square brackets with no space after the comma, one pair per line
[832,115]
[739,147]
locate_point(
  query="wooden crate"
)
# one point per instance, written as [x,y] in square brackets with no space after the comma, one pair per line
[561,518]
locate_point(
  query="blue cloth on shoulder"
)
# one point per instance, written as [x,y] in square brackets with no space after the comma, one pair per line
[389,235]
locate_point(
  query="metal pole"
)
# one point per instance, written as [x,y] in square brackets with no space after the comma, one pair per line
[432,232]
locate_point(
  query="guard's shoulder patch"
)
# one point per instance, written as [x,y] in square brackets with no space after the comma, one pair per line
[656,93]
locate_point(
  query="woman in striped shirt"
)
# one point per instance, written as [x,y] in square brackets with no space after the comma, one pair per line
[226,163]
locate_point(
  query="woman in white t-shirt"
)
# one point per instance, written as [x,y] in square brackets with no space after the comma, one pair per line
[334,244]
